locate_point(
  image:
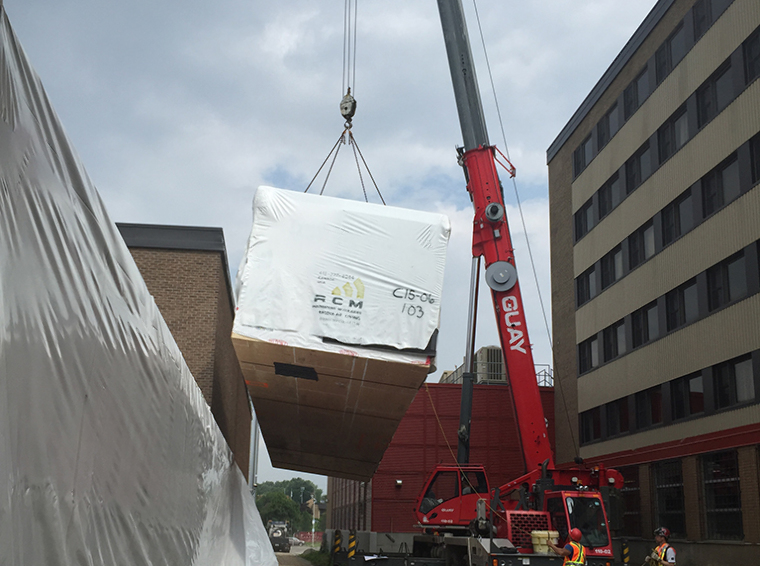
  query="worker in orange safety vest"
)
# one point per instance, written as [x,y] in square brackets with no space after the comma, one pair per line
[574,552]
[664,554]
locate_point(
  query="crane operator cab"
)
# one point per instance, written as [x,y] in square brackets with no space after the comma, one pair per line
[584,511]
[450,495]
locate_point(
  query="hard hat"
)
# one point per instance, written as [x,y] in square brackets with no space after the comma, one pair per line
[662,532]
[575,535]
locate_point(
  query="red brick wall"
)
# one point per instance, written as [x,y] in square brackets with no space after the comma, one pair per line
[420,443]
[190,290]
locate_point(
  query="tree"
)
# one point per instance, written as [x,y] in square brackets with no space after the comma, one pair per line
[276,506]
[281,501]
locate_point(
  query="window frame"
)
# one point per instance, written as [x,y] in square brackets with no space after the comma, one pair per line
[751,59]
[584,219]
[681,391]
[585,286]
[611,266]
[724,377]
[724,488]
[721,290]
[669,496]
[638,247]
[665,59]
[641,325]
[677,317]
[674,210]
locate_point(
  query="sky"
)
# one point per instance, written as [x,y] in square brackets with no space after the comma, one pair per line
[179,109]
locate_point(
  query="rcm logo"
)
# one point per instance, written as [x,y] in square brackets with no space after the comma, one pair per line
[516,336]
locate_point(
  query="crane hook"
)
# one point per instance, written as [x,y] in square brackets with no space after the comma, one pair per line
[348,108]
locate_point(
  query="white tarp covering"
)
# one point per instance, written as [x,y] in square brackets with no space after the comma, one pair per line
[108,452]
[359,274]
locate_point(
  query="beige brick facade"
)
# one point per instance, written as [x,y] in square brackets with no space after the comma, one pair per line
[193,294]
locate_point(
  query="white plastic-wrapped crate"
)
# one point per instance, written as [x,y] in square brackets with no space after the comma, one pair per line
[338,304]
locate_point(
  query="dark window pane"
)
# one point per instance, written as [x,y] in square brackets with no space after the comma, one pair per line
[730,181]
[685,214]
[706,104]
[745,381]
[737,278]
[755,158]
[724,90]
[662,62]
[702,17]
[587,151]
[669,496]
[652,322]
[691,308]
[752,56]
[722,386]
[669,224]
[613,119]
[712,196]
[677,46]
[642,87]
[696,395]
[630,101]
[678,399]
[646,163]
[605,200]
[723,506]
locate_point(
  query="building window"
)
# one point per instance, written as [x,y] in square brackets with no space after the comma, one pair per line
[613,338]
[638,168]
[673,134]
[645,325]
[612,267]
[670,53]
[681,305]
[723,502]
[635,93]
[584,220]
[733,382]
[586,286]
[641,245]
[588,354]
[648,407]
[754,148]
[714,95]
[617,417]
[591,425]
[720,186]
[677,218]
[608,126]
[610,195]
[752,57]
[582,156]
[668,481]
[631,491]
[727,281]
[687,396]
[702,17]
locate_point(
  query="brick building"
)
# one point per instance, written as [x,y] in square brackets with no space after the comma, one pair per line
[427,436]
[186,271]
[655,242]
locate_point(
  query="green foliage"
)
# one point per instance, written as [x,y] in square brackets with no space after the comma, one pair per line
[276,506]
[316,558]
[281,501]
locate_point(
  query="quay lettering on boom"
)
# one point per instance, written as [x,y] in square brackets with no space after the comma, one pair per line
[516,336]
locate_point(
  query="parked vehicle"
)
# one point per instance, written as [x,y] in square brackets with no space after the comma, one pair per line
[295,541]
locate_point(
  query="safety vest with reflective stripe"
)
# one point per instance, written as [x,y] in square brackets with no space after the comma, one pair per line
[662,551]
[578,557]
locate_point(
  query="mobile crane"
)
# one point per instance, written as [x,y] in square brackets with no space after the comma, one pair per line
[465,522]
[546,497]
